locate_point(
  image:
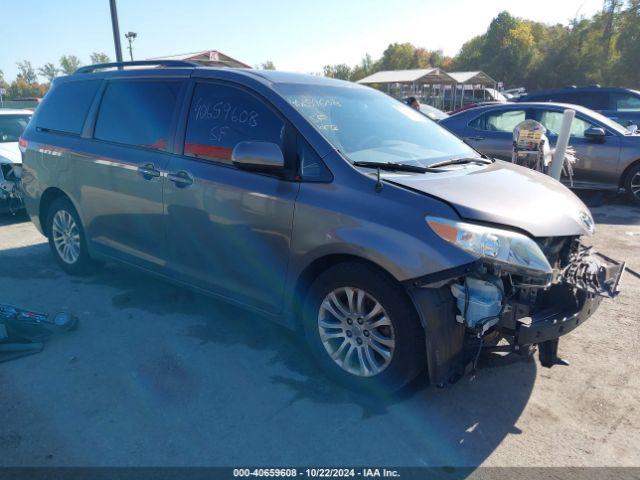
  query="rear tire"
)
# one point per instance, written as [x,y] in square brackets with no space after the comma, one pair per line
[632,183]
[67,239]
[363,329]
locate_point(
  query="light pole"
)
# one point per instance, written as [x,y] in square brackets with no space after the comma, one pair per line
[116,30]
[130,36]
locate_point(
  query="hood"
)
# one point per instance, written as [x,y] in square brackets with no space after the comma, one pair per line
[10,153]
[506,194]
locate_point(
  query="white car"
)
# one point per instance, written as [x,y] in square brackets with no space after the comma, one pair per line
[12,124]
[432,112]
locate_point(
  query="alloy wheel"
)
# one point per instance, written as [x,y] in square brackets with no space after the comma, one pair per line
[635,185]
[66,236]
[356,331]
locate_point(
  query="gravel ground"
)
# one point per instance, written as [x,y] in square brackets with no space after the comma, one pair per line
[157,375]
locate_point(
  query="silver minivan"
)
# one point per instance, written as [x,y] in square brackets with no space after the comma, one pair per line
[324,205]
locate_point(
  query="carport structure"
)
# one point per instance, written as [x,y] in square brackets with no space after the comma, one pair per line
[470,81]
[425,83]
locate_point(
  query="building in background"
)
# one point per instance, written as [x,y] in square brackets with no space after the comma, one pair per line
[210,58]
[444,90]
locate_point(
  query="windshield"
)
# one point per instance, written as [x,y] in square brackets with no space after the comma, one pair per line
[12,126]
[367,125]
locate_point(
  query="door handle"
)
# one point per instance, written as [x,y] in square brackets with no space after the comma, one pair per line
[477,139]
[148,171]
[181,179]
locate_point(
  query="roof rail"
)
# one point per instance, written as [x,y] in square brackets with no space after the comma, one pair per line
[136,63]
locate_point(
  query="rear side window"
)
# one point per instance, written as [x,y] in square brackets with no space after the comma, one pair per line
[625,102]
[65,107]
[137,113]
[502,121]
[222,116]
[594,100]
[571,97]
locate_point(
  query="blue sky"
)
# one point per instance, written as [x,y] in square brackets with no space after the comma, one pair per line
[300,35]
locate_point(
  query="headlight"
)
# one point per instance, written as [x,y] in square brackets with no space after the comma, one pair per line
[503,247]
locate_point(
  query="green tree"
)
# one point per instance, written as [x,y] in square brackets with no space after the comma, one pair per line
[26,72]
[99,57]
[626,70]
[365,68]
[268,65]
[439,59]
[398,56]
[509,50]
[470,55]
[69,64]
[341,71]
[48,71]
[3,82]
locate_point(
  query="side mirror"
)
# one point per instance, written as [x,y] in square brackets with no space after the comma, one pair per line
[258,156]
[595,133]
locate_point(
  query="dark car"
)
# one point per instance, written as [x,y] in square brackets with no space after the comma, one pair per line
[619,104]
[608,154]
[321,204]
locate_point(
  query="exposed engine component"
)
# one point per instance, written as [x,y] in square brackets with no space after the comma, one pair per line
[592,272]
[10,186]
[479,301]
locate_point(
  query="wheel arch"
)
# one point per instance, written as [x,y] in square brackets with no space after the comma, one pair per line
[625,172]
[47,198]
[311,271]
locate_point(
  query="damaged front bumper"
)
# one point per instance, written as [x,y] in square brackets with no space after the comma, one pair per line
[479,305]
[539,315]
[10,191]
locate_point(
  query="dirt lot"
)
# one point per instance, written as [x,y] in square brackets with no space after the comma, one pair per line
[157,375]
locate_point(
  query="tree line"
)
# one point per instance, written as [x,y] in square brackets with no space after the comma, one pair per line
[26,83]
[604,49]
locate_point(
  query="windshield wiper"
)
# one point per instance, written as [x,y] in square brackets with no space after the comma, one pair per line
[461,161]
[392,166]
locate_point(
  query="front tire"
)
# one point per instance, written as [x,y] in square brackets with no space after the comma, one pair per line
[363,329]
[67,239]
[632,183]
